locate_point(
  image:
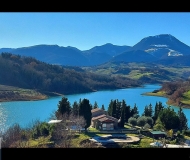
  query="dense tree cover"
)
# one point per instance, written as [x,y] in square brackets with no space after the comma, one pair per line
[182,119]
[64,107]
[82,109]
[159,118]
[169,118]
[148,111]
[27,72]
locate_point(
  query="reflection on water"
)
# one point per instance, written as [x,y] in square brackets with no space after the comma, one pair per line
[3,118]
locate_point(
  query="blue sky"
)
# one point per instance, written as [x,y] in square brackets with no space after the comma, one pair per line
[85,30]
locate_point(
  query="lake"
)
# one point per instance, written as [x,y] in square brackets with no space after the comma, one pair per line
[24,112]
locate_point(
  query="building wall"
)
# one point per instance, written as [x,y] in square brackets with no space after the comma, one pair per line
[107,126]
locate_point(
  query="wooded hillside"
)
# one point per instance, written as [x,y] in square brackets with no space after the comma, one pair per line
[27,72]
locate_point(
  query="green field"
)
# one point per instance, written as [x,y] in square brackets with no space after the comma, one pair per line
[186,98]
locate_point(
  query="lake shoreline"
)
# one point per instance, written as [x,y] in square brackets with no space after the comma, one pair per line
[40,95]
[168,103]
[24,112]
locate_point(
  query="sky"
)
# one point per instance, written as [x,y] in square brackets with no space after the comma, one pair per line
[85,30]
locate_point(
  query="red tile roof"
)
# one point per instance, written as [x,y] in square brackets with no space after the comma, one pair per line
[98,117]
[96,109]
[105,119]
[105,116]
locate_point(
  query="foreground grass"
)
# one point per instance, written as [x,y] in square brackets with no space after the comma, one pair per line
[145,142]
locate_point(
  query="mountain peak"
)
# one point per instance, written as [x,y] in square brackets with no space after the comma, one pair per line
[160,36]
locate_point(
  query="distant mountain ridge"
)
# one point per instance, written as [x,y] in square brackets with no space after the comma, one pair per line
[159,48]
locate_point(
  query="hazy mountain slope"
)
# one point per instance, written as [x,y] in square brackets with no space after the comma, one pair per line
[134,56]
[54,54]
[149,49]
[109,49]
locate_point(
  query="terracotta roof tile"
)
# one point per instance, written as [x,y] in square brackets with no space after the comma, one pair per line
[95,110]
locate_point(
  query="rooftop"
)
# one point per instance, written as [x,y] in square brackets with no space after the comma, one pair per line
[54,121]
[106,117]
[103,119]
[98,117]
[96,109]
[158,132]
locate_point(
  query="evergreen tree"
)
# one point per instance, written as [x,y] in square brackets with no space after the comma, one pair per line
[118,109]
[182,119]
[158,125]
[158,108]
[114,113]
[85,111]
[150,109]
[145,113]
[169,118]
[127,112]
[110,108]
[95,105]
[122,118]
[103,107]
[63,107]
[134,111]
[75,108]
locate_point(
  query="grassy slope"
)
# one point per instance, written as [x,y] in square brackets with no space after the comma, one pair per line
[10,93]
[138,70]
[186,98]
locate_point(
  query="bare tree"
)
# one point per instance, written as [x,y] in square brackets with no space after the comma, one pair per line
[11,136]
[62,136]
[78,122]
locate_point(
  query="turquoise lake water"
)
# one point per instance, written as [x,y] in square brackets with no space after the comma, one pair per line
[24,112]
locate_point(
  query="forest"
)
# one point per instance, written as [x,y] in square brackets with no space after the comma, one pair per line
[29,73]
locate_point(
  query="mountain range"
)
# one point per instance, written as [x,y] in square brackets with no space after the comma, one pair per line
[163,49]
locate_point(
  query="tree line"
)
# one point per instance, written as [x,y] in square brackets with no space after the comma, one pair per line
[157,117]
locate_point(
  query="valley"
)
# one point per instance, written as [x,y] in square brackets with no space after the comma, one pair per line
[144,72]
[44,70]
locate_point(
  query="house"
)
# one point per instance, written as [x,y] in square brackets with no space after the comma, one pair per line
[157,134]
[104,122]
[100,120]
